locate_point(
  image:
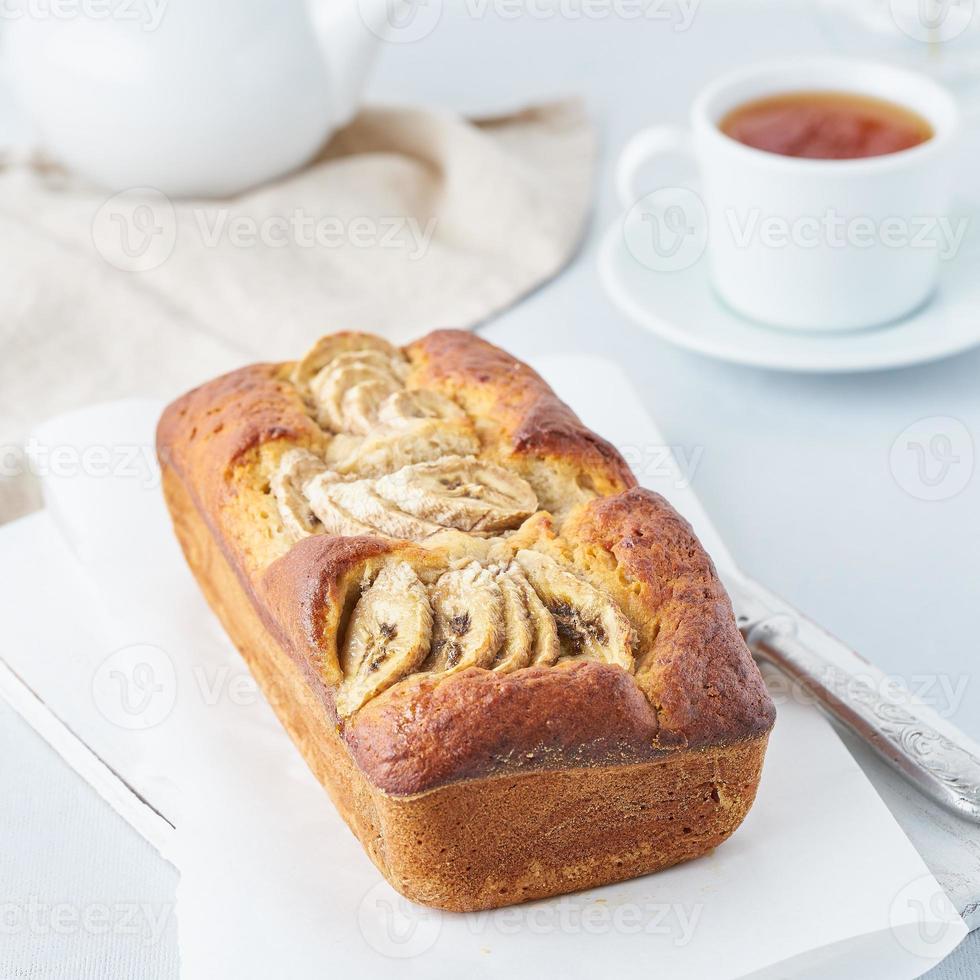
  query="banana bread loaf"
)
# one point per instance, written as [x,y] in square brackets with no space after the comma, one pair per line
[515,671]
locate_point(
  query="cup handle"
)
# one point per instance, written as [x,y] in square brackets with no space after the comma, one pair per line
[642,148]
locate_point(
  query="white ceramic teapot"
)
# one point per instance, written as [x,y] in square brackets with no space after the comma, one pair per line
[192,97]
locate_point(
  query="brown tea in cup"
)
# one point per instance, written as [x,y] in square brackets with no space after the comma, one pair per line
[825,125]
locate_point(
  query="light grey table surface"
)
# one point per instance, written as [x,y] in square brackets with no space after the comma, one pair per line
[794,470]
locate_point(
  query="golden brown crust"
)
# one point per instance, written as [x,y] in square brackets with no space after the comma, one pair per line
[428,732]
[706,687]
[209,435]
[213,427]
[695,699]
[302,589]
[533,422]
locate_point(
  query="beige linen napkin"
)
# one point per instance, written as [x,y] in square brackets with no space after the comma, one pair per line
[410,219]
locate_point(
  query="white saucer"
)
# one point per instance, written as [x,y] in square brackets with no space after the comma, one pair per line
[682,308]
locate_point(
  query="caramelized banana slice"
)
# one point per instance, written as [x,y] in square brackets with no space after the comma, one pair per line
[359,500]
[387,636]
[468,627]
[461,492]
[329,348]
[590,625]
[334,518]
[407,406]
[296,468]
[518,644]
[339,407]
[546,649]
[360,404]
[390,448]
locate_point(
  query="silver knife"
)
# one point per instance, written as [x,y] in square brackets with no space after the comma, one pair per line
[853,691]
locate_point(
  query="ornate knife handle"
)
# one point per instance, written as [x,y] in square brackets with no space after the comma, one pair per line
[852,690]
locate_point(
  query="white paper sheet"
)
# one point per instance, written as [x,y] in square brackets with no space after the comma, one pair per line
[273,884]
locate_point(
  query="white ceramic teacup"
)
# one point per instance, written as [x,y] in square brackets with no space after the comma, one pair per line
[815,244]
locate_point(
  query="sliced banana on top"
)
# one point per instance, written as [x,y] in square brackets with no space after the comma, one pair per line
[468,620]
[409,405]
[334,517]
[359,500]
[546,648]
[328,348]
[387,638]
[590,624]
[296,468]
[360,404]
[502,617]
[389,448]
[350,389]
[531,636]
[358,507]
[517,648]
[461,492]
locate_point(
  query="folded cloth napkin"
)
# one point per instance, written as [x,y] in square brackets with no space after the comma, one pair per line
[409,219]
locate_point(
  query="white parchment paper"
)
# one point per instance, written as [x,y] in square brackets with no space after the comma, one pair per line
[819,878]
